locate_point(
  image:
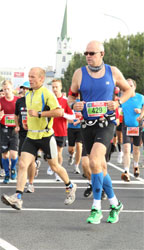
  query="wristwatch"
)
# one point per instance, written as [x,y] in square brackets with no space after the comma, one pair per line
[39,114]
[71,106]
[120,102]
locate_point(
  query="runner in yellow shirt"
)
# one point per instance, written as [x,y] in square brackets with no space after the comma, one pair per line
[42,106]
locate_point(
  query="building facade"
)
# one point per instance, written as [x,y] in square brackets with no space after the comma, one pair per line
[63,54]
[19,75]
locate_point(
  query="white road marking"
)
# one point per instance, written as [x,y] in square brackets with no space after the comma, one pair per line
[137,181]
[121,170]
[62,187]
[7,246]
[66,210]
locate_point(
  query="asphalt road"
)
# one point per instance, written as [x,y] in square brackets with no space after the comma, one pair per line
[45,223]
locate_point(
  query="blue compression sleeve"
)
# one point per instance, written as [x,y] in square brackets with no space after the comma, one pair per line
[107,186]
[97,185]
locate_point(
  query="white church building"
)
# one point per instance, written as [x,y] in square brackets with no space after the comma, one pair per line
[63,54]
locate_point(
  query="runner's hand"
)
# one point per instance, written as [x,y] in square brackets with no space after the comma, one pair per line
[112,105]
[78,106]
[137,111]
[25,126]
[1,114]
[139,119]
[17,129]
[33,113]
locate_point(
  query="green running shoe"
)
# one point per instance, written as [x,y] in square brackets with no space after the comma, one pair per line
[95,216]
[114,213]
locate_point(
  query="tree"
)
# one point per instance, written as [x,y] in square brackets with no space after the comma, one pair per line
[127,53]
[77,61]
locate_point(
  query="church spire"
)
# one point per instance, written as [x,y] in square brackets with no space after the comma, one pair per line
[63,54]
[64,26]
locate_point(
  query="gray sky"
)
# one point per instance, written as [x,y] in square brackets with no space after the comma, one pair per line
[29,28]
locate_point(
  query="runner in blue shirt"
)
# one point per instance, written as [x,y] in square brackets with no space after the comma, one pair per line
[132,130]
[96,83]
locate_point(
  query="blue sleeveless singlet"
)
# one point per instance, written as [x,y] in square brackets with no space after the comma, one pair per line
[96,89]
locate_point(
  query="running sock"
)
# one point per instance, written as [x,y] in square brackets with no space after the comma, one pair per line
[13,163]
[5,163]
[97,204]
[135,164]
[107,186]
[119,147]
[71,155]
[69,185]
[131,148]
[114,201]
[76,165]
[126,169]
[19,194]
[97,185]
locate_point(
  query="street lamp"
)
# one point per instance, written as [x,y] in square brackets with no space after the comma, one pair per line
[115,17]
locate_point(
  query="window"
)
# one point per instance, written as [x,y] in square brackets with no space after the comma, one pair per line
[63,59]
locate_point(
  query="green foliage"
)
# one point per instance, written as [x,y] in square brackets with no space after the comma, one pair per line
[78,60]
[126,53]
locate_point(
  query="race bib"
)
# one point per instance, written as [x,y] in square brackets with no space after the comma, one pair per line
[9,120]
[24,118]
[95,109]
[78,115]
[132,131]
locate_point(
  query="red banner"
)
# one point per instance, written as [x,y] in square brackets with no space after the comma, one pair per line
[19,74]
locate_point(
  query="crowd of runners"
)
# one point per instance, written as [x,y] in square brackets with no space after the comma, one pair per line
[102,114]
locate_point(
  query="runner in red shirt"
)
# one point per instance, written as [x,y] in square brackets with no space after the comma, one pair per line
[9,138]
[2,172]
[60,123]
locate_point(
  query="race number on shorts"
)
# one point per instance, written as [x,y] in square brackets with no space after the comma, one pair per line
[133,131]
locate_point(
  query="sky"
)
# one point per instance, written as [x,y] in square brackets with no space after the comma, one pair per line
[29,28]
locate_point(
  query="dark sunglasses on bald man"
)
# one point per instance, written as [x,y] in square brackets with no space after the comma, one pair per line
[91,53]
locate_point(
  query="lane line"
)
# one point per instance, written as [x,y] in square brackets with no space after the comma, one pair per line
[63,187]
[137,181]
[65,210]
[121,170]
[7,246]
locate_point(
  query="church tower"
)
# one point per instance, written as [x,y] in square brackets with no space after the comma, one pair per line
[63,54]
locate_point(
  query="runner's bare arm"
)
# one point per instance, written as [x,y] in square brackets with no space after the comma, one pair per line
[121,82]
[17,127]
[76,81]
[1,114]
[58,112]
[139,119]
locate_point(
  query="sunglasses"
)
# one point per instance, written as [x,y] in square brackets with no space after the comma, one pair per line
[91,53]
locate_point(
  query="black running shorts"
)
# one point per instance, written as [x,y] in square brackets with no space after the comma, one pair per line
[61,141]
[127,139]
[47,145]
[9,139]
[74,135]
[92,134]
